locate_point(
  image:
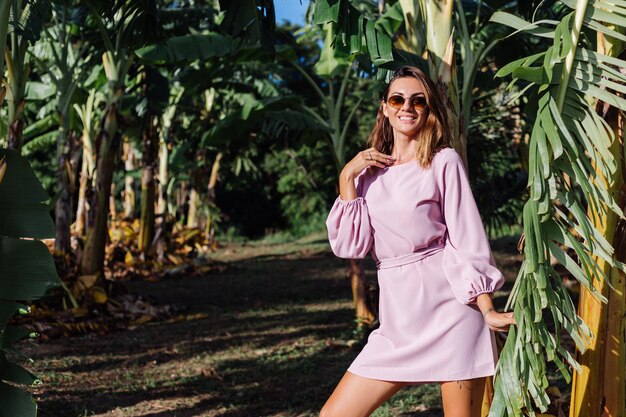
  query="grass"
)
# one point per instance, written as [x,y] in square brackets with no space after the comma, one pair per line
[277,339]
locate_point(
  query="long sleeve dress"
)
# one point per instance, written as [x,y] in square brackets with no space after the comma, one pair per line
[423,229]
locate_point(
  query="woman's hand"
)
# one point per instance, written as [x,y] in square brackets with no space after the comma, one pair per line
[364,159]
[499,322]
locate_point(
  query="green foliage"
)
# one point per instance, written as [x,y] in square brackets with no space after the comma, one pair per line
[494,156]
[187,48]
[27,271]
[569,155]
[305,183]
[30,17]
[350,27]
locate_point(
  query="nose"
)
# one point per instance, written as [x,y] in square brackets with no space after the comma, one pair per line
[406,106]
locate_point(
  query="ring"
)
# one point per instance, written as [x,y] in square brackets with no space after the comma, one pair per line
[370,155]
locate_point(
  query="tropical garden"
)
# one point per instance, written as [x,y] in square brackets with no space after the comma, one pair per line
[167,167]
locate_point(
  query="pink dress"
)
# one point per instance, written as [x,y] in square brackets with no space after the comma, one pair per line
[423,229]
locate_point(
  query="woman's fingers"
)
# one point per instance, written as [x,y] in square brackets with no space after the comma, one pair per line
[371,157]
[379,156]
[500,322]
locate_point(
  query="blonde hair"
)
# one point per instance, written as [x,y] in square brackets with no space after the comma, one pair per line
[434,134]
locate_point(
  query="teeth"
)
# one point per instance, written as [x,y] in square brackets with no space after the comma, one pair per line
[406,118]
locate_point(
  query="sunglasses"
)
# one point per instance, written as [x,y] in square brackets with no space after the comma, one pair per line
[417,102]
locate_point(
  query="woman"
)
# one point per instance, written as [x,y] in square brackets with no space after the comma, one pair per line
[408,200]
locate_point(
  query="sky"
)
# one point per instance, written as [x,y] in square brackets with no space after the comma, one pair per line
[291,10]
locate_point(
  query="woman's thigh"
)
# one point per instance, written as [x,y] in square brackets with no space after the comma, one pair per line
[463,398]
[356,396]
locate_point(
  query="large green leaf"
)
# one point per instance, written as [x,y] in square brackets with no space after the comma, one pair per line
[39,91]
[327,11]
[13,373]
[22,211]
[13,334]
[569,157]
[27,270]
[33,15]
[349,28]
[15,402]
[7,310]
[187,48]
[277,113]
[250,20]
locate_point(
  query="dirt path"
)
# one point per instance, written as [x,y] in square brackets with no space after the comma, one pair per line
[276,340]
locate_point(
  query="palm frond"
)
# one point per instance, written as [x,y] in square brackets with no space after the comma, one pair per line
[29,21]
[570,169]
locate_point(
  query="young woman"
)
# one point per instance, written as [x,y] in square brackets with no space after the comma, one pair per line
[407,199]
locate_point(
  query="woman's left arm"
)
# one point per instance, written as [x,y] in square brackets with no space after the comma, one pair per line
[499,322]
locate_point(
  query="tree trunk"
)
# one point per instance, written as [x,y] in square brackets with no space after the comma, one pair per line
[107,144]
[442,65]
[81,209]
[112,205]
[194,202]
[210,229]
[357,282]
[600,389]
[87,167]
[63,207]
[130,164]
[163,177]
[146,221]
[17,75]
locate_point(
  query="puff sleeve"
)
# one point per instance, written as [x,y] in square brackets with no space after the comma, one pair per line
[348,225]
[468,262]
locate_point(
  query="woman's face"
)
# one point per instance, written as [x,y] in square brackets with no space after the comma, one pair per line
[407,120]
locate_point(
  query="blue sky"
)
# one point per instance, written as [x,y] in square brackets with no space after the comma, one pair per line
[291,10]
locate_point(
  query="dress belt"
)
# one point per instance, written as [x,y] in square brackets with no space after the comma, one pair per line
[409,258]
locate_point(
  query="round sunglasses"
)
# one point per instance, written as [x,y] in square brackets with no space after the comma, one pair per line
[417,102]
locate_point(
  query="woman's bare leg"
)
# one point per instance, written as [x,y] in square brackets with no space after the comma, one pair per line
[463,398]
[356,396]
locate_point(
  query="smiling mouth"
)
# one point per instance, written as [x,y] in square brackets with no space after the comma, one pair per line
[407,118]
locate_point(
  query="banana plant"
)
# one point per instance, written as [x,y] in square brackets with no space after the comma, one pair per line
[575,180]
[337,132]
[150,107]
[123,25]
[28,20]
[88,117]
[62,62]
[27,271]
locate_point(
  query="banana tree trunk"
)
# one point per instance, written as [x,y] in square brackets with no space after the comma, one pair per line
[86,181]
[5,12]
[18,72]
[146,221]
[210,226]
[87,165]
[413,39]
[107,144]
[442,65]
[192,212]
[63,207]
[130,164]
[600,390]
[357,281]
[163,177]
[81,204]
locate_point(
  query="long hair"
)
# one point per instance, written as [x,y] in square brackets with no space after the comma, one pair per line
[434,132]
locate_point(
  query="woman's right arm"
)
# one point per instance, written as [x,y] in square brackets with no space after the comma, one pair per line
[364,159]
[348,223]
